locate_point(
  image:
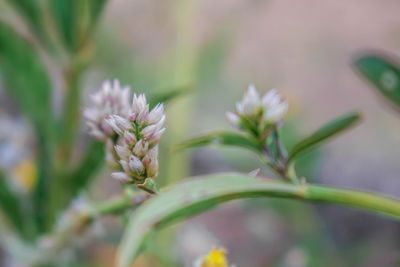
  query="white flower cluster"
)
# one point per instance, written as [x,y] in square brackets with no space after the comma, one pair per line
[131,132]
[110,99]
[267,110]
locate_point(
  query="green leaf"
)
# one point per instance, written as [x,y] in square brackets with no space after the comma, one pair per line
[200,194]
[168,95]
[10,205]
[25,79]
[24,76]
[30,10]
[65,14]
[220,138]
[76,20]
[328,130]
[383,73]
[96,8]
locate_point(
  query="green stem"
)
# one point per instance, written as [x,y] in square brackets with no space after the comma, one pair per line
[195,196]
[70,119]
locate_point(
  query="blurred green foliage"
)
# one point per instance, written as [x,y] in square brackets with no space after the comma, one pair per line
[383,72]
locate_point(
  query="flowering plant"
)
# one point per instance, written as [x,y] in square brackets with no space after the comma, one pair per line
[44,219]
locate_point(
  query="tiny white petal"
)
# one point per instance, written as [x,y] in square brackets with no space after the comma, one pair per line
[156,114]
[122,151]
[129,138]
[121,176]
[232,118]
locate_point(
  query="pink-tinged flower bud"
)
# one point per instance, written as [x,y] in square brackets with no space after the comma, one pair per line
[111,99]
[148,131]
[156,114]
[119,124]
[156,136]
[131,132]
[129,139]
[138,103]
[151,163]
[141,148]
[122,177]
[143,115]
[233,119]
[125,167]
[123,152]
[136,166]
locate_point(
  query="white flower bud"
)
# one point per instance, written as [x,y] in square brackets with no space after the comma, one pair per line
[251,100]
[270,109]
[156,114]
[118,124]
[123,152]
[156,137]
[111,99]
[149,131]
[125,167]
[138,103]
[151,163]
[232,118]
[129,138]
[121,176]
[131,132]
[141,148]
[136,166]
[274,106]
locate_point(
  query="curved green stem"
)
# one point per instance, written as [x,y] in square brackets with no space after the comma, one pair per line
[195,196]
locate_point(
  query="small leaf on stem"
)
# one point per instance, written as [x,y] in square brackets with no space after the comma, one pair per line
[328,130]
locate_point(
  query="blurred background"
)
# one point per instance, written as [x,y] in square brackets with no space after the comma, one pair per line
[213,50]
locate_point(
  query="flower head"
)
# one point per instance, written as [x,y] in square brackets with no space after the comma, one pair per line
[131,131]
[140,133]
[266,110]
[111,99]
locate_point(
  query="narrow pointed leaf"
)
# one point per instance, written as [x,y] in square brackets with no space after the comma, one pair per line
[219,138]
[327,131]
[10,205]
[168,95]
[30,10]
[383,73]
[76,20]
[25,79]
[200,194]
[24,75]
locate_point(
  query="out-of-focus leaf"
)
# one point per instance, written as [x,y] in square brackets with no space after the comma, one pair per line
[383,73]
[169,95]
[25,80]
[87,169]
[198,195]
[66,17]
[30,9]
[328,130]
[76,20]
[96,8]
[24,76]
[220,138]
[10,205]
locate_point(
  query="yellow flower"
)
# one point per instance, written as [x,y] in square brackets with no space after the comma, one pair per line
[25,174]
[215,258]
